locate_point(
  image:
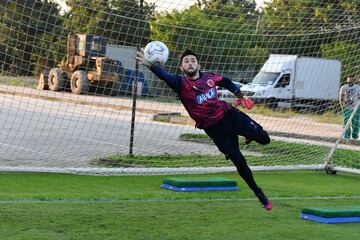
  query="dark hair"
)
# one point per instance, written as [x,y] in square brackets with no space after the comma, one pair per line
[186,53]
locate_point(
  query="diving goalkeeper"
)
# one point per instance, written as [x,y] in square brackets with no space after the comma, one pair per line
[221,121]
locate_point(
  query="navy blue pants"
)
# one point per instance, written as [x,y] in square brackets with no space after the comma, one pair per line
[225,136]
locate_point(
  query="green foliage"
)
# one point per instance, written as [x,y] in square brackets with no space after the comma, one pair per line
[121,21]
[346,53]
[309,16]
[297,26]
[231,37]
[219,31]
[27,34]
[34,35]
[287,16]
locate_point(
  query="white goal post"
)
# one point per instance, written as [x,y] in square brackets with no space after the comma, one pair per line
[329,165]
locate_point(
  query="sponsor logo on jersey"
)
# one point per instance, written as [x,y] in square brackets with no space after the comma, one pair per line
[203,97]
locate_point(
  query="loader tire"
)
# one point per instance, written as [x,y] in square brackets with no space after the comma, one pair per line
[79,83]
[56,81]
[43,81]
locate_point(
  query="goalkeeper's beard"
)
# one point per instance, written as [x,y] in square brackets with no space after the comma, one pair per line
[191,73]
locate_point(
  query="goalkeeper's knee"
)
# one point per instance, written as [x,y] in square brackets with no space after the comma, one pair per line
[262,138]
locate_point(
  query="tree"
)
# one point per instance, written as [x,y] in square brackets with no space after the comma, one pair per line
[302,26]
[222,32]
[304,16]
[34,33]
[25,30]
[346,53]
[121,21]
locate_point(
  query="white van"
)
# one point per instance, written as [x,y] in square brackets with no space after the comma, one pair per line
[296,80]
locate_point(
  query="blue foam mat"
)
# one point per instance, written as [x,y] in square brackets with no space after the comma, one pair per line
[329,220]
[196,189]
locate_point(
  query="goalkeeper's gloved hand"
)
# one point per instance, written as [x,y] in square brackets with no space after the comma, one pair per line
[140,58]
[244,102]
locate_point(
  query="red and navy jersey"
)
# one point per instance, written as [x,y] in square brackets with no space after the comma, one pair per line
[199,96]
[200,99]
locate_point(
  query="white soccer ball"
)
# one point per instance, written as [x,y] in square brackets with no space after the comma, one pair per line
[156,51]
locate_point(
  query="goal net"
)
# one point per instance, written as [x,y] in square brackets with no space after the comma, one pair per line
[72,98]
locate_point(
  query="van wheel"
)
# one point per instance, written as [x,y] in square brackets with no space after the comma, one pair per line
[79,83]
[271,103]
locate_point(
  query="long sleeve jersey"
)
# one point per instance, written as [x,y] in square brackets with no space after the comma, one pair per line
[199,96]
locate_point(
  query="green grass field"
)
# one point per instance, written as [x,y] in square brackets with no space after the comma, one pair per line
[56,206]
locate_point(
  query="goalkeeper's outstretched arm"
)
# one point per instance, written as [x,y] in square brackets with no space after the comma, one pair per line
[241,100]
[229,85]
[173,81]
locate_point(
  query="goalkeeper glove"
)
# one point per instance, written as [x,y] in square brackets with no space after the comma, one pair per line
[244,102]
[140,58]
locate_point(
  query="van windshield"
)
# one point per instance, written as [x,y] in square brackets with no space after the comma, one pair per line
[265,78]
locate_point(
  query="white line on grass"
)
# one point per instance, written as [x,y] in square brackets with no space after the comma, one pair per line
[111,200]
[21,148]
[102,142]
